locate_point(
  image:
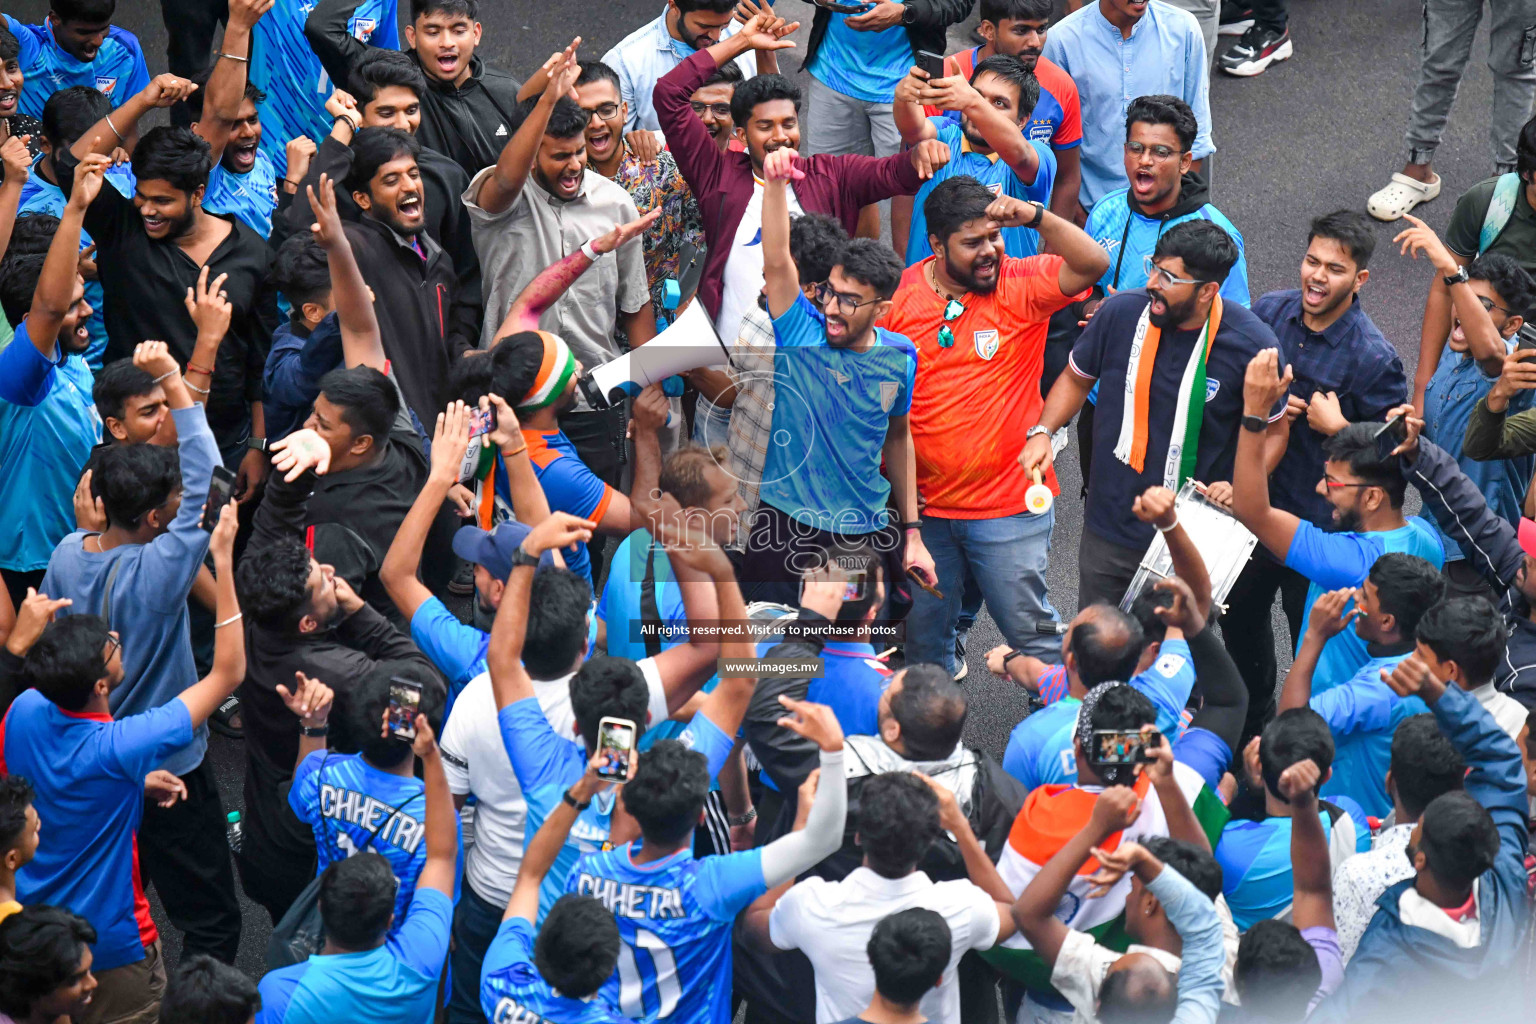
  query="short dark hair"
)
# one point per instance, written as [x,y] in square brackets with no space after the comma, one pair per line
[300,270]
[668,792]
[372,148]
[40,949]
[872,262]
[1277,970]
[898,820]
[201,990]
[92,12]
[194,101]
[1144,610]
[1122,707]
[1099,659]
[714,6]
[761,89]
[578,945]
[1355,445]
[15,797]
[19,275]
[1198,866]
[816,244]
[514,365]
[607,687]
[728,73]
[557,622]
[931,709]
[566,120]
[380,69]
[10,47]
[1351,229]
[1011,69]
[1458,839]
[367,399]
[33,233]
[1408,587]
[683,473]
[357,899]
[998,11]
[1424,764]
[69,114]
[272,581]
[1468,631]
[173,154]
[1293,736]
[1525,152]
[1161,108]
[364,705]
[1508,278]
[953,203]
[117,382]
[468,8]
[1208,252]
[597,71]
[131,479]
[909,952]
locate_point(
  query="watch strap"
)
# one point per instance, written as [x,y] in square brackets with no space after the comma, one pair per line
[1257,424]
[1460,277]
[520,556]
[257,444]
[568,798]
[1015,653]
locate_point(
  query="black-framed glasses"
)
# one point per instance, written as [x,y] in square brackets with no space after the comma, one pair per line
[1334,485]
[845,305]
[1489,306]
[604,111]
[1159,153]
[113,646]
[720,110]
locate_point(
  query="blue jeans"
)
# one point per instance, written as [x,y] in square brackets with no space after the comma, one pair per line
[1006,558]
[475,922]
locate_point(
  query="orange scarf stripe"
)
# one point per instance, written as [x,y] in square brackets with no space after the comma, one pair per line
[1143,397]
[1053,814]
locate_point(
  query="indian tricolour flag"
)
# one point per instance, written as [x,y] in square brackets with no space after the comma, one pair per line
[1054,814]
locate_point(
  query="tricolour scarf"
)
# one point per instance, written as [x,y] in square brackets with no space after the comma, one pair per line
[1183,441]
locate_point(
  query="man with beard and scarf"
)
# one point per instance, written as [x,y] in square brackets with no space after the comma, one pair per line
[984,138]
[469,107]
[978,398]
[1171,422]
[151,251]
[1343,371]
[1366,492]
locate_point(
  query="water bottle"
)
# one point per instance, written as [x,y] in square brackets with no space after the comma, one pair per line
[236,831]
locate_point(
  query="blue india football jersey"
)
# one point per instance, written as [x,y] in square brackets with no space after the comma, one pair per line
[1167,683]
[118,72]
[251,196]
[675,918]
[343,798]
[285,68]
[1040,748]
[513,992]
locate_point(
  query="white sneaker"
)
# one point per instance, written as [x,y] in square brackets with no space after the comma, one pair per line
[1399,196]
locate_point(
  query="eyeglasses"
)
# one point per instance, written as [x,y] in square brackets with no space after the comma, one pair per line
[1159,153]
[1334,485]
[113,646]
[1153,270]
[604,111]
[953,310]
[845,305]
[1489,306]
[720,110]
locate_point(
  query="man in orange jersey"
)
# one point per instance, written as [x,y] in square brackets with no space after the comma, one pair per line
[978,318]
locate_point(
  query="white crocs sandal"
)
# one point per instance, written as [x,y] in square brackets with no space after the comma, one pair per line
[1400,196]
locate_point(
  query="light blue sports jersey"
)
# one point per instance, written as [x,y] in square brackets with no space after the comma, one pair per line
[343,799]
[864,65]
[118,72]
[1255,859]
[1362,714]
[38,195]
[251,196]
[991,172]
[675,918]
[1129,238]
[513,992]
[546,765]
[1040,748]
[1167,683]
[285,68]
[833,408]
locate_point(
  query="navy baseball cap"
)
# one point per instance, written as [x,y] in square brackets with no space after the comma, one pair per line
[494,548]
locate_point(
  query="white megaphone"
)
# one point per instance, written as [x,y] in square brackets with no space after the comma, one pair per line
[689,343]
[1038,497]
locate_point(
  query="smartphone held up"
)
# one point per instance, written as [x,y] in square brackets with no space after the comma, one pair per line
[615,748]
[220,491]
[404,706]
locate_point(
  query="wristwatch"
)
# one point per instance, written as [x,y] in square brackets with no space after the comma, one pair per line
[1010,656]
[522,557]
[257,444]
[315,731]
[742,819]
[1036,429]
[1257,424]
[1039,214]
[1460,277]
[909,14]
[566,796]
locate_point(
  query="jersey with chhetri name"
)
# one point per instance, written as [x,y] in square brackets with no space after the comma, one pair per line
[513,992]
[675,917]
[343,799]
[118,71]
[284,66]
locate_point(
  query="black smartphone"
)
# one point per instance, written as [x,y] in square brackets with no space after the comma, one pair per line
[1392,433]
[1117,746]
[841,7]
[404,705]
[219,492]
[1527,338]
[931,62]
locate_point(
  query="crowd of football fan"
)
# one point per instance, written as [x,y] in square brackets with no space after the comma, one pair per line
[581,697]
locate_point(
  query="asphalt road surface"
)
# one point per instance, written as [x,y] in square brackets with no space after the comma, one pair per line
[1317,133]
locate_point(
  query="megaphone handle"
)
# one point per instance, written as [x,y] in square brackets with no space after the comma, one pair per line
[1036,474]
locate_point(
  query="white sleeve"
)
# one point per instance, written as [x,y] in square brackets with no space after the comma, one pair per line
[1080,969]
[786,919]
[454,748]
[787,856]
[982,919]
[657,707]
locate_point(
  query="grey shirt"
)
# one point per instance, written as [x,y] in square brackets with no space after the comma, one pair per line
[538,230]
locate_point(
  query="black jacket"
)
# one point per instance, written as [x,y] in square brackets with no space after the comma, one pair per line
[1492,548]
[469,123]
[925,32]
[442,183]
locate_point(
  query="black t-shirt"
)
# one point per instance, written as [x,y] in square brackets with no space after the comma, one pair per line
[1103,352]
[1517,240]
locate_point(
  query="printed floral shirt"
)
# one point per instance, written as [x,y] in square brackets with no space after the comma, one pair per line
[661,184]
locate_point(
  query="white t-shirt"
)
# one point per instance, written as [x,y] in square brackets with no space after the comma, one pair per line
[1509,713]
[1082,965]
[743,280]
[830,922]
[475,761]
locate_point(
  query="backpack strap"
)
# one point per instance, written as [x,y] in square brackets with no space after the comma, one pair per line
[1501,207]
[106,593]
[650,611]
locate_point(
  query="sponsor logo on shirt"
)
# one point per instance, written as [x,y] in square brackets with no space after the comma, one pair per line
[986,343]
[888,390]
[841,378]
[106,84]
[996,187]
[1169,664]
[501,131]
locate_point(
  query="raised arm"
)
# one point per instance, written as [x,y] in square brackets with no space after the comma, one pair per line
[779,273]
[693,552]
[1326,620]
[226,85]
[789,855]
[978,866]
[328,33]
[1483,341]
[18,167]
[114,129]
[509,680]
[1491,432]
[211,311]
[999,130]
[204,697]
[1311,871]
[1156,506]
[1263,385]
[403,559]
[442,824]
[501,188]
[545,846]
[907,108]
[1083,260]
[361,342]
[55,294]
